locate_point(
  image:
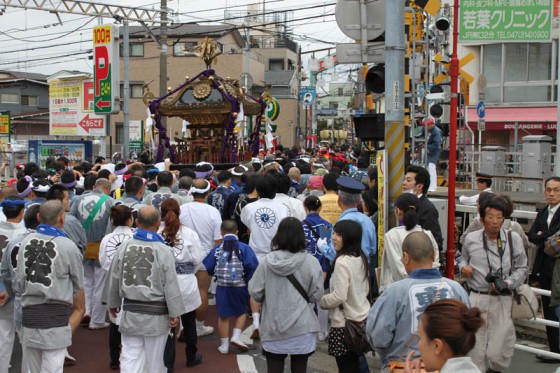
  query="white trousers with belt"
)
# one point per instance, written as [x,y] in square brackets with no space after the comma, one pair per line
[7,334]
[45,361]
[94,281]
[495,339]
[139,352]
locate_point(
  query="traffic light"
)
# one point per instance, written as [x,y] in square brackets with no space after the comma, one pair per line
[436,110]
[375,79]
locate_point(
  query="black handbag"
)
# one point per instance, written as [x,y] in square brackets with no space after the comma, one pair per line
[355,336]
[169,351]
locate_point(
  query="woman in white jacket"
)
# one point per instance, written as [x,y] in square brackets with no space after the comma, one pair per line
[121,219]
[348,299]
[392,267]
[188,253]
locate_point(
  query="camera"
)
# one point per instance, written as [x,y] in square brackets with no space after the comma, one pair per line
[498,281]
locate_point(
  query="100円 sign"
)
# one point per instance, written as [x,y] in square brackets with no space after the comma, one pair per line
[106,69]
[505,20]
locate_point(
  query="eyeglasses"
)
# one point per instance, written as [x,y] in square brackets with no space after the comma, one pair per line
[494,218]
[552,190]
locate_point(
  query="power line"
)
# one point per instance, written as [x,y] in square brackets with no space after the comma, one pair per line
[48,58]
[55,38]
[256,27]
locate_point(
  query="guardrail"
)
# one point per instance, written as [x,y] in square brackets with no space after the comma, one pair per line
[531,323]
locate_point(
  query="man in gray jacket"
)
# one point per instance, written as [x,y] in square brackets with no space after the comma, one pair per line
[494,263]
[93,210]
[393,320]
[142,279]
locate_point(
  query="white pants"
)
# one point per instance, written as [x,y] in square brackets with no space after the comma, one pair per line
[433,176]
[24,364]
[138,351]
[94,281]
[7,334]
[496,338]
[45,361]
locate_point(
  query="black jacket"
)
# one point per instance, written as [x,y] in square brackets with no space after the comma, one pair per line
[428,219]
[544,264]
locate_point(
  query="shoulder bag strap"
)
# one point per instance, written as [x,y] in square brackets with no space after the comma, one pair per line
[93,212]
[315,234]
[510,244]
[298,287]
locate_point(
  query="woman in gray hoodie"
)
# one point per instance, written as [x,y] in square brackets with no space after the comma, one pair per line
[289,325]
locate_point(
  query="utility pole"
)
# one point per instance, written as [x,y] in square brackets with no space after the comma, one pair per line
[298,113]
[394,95]
[163,54]
[454,73]
[126,84]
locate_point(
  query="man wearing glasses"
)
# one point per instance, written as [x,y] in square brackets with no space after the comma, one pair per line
[545,225]
[494,263]
[483,184]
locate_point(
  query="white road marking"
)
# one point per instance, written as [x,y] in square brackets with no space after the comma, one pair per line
[246,362]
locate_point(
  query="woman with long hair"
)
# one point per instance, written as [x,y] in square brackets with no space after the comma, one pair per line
[349,289]
[392,267]
[121,219]
[285,282]
[188,253]
[446,335]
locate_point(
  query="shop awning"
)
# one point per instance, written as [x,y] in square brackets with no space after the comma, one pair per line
[528,118]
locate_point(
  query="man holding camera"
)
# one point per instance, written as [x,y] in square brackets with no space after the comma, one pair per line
[494,263]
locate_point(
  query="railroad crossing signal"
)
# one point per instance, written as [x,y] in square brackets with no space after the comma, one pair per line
[462,62]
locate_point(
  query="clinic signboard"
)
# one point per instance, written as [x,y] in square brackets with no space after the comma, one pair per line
[106,69]
[501,21]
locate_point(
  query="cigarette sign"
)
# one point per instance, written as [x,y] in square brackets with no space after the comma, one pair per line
[106,69]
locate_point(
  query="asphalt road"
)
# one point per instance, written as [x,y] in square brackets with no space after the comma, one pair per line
[90,348]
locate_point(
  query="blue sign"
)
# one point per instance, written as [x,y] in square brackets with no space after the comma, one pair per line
[481,109]
[307,96]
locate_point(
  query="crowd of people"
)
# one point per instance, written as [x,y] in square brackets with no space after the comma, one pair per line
[288,240]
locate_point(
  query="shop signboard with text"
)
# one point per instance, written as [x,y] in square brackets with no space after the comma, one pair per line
[71,109]
[106,69]
[500,21]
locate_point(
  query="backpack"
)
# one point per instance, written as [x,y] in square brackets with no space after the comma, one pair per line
[229,271]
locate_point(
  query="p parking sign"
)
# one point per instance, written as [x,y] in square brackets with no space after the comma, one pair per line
[106,69]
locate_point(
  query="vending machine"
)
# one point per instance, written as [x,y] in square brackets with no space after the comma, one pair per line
[76,151]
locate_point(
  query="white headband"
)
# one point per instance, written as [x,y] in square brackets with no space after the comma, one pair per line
[41,188]
[199,191]
[239,173]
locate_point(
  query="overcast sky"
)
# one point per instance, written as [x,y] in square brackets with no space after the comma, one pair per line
[26,34]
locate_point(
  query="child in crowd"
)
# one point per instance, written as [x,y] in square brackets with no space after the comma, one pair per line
[233,263]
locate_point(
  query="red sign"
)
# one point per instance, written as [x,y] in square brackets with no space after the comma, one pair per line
[87,96]
[88,123]
[322,63]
